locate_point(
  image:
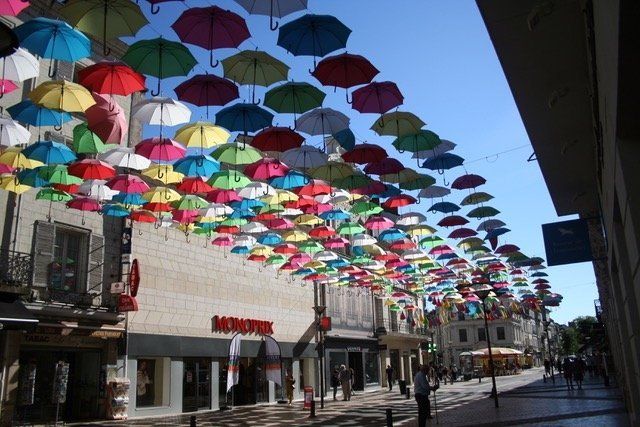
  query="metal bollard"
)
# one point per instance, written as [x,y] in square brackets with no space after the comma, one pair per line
[312,412]
[192,421]
[408,394]
[389,417]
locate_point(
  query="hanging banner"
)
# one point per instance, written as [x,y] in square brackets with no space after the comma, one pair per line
[233,371]
[272,363]
[134,278]
[567,242]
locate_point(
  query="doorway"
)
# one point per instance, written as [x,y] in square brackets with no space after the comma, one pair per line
[355,363]
[196,384]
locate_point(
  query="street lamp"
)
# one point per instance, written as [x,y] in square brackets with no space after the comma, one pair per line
[545,322]
[319,311]
[483,292]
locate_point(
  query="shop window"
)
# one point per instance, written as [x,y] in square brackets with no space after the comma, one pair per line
[152,382]
[500,332]
[371,368]
[462,335]
[482,334]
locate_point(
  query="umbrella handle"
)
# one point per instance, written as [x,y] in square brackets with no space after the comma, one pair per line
[155,9]
[271,19]
[161,175]
[156,93]
[236,178]
[112,107]
[418,200]
[139,232]
[57,128]
[206,243]
[156,225]
[54,68]
[349,101]
[187,237]
[213,64]
[257,102]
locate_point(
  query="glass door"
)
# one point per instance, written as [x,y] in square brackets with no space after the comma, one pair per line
[196,389]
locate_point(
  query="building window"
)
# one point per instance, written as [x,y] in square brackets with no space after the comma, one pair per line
[500,332]
[68,253]
[462,335]
[371,368]
[482,334]
[152,382]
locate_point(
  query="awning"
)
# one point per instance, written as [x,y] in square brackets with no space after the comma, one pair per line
[15,316]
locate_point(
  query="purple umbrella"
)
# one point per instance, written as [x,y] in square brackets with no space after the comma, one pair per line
[377,97]
[207,89]
[211,28]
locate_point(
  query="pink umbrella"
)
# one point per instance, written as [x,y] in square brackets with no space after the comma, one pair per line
[7,86]
[107,119]
[317,209]
[13,7]
[160,150]
[84,204]
[184,216]
[378,223]
[301,258]
[384,167]
[223,241]
[223,196]
[336,243]
[266,168]
[279,224]
[6,168]
[127,183]
[374,187]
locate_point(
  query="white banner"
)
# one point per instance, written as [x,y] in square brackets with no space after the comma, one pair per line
[273,364]
[233,370]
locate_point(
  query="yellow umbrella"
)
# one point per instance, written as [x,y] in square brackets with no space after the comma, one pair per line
[308,219]
[420,230]
[10,183]
[13,157]
[62,95]
[281,196]
[202,134]
[293,236]
[186,227]
[205,219]
[161,195]
[261,250]
[404,175]
[373,250]
[163,173]
[470,242]
[314,264]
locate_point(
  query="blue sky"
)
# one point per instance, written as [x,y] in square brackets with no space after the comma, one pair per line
[441,57]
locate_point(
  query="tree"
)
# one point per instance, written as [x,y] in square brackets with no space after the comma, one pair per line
[569,341]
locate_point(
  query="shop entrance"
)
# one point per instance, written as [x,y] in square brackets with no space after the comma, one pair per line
[355,363]
[252,386]
[35,401]
[196,384]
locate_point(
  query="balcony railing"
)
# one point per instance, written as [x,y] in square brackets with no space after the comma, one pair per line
[16,268]
[399,327]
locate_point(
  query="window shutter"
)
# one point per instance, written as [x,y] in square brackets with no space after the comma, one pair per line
[43,248]
[65,70]
[96,264]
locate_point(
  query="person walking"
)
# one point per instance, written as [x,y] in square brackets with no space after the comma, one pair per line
[421,390]
[289,386]
[454,373]
[578,371]
[352,379]
[445,374]
[547,367]
[567,367]
[389,372]
[335,381]
[345,382]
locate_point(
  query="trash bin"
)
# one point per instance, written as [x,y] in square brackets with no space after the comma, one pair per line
[308,397]
[403,386]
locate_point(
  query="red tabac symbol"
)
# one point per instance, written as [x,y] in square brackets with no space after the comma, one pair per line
[127,303]
[134,278]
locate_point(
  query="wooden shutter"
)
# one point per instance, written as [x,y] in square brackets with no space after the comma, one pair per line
[96,264]
[44,238]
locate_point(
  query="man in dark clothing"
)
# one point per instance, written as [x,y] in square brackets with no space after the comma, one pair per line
[547,367]
[389,371]
[421,389]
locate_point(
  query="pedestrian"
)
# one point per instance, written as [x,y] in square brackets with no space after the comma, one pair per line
[421,390]
[547,367]
[335,381]
[567,367]
[345,382]
[454,373]
[445,371]
[389,372]
[352,378]
[578,371]
[289,386]
[559,365]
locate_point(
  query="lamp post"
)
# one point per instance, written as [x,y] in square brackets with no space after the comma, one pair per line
[319,311]
[545,322]
[483,293]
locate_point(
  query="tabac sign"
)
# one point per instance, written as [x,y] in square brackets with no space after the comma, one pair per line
[567,242]
[228,324]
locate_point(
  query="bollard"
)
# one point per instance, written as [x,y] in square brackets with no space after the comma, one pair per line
[408,394]
[192,421]
[312,412]
[389,417]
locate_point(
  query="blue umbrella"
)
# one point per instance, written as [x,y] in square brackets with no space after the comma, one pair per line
[115,210]
[337,263]
[129,199]
[335,215]
[444,207]
[49,152]
[390,191]
[270,239]
[53,39]
[293,179]
[346,139]
[208,226]
[240,250]
[392,234]
[242,213]
[31,114]
[31,178]
[313,35]
[443,162]
[491,234]
[198,165]
[248,204]
[244,118]
[446,256]
[536,274]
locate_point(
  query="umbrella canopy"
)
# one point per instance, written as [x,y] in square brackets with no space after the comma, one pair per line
[125,157]
[384,166]
[443,162]
[91,169]
[273,9]
[277,139]
[85,141]
[127,183]
[424,140]
[476,198]
[398,123]
[365,153]
[265,169]
[293,97]
[62,95]
[211,28]
[161,111]
[29,113]
[483,212]
[49,152]
[468,181]
[304,157]
[12,7]
[345,138]
[444,207]
[111,77]
[159,58]
[254,68]
[160,149]
[197,166]
[20,65]
[345,71]
[433,192]
[322,121]
[313,35]
[377,97]
[228,180]
[453,221]
[8,40]
[11,133]
[202,135]
[107,119]
[10,183]
[206,90]
[244,118]
[236,154]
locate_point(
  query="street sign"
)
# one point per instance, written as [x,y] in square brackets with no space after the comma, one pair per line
[127,303]
[567,242]
[134,278]
[118,287]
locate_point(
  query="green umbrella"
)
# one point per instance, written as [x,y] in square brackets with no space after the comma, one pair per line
[431,241]
[236,154]
[108,19]
[354,181]
[254,68]
[190,202]
[310,247]
[332,171]
[234,221]
[418,183]
[404,175]
[361,260]
[398,123]
[475,198]
[58,174]
[350,228]
[422,141]
[53,195]
[160,58]
[365,208]
[229,180]
[483,212]
[271,209]
[275,260]
[295,98]
[85,141]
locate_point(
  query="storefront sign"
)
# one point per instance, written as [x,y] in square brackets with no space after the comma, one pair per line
[228,324]
[354,348]
[118,287]
[127,303]
[567,242]
[134,278]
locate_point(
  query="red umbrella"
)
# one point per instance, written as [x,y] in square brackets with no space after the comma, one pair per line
[317,209]
[111,77]
[315,188]
[107,119]
[266,168]
[158,149]
[322,232]
[127,183]
[398,201]
[468,181]
[453,221]
[374,187]
[378,223]
[157,207]
[286,248]
[91,169]
[228,229]
[67,188]
[223,196]
[385,166]
[461,233]
[401,245]
[211,28]
[264,217]
[505,249]
[365,153]
[142,215]
[84,204]
[194,185]
[345,70]
[336,243]
[279,224]
[377,97]
[207,89]
[223,241]
[277,139]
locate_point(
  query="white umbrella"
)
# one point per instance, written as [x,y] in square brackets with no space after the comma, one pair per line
[20,66]
[254,228]
[434,191]
[304,157]
[411,218]
[322,121]
[244,240]
[441,148]
[215,209]
[363,239]
[490,224]
[125,157]
[255,190]
[325,256]
[96,189]
[161,111]
[413,254]
[374,265]
[291,212]
[12,133]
